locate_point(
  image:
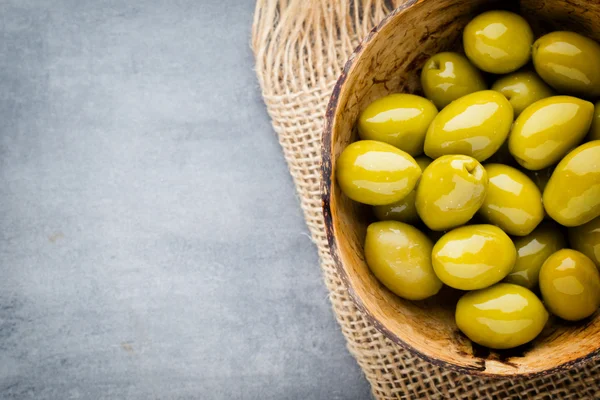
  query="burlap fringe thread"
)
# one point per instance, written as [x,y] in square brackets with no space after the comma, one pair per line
[300,48]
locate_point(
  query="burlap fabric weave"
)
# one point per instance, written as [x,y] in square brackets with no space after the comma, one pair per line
[300,48]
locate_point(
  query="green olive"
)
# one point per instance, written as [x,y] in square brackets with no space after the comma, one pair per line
[498,41]
[475,125]
[532,251]
[586,239]
[522,89]
[572,196]
[595,128]
[405,209]
[450,192]
[448,76]
[376,173]
[399,255]
[570,285]
[513,202]
[569,62]
[398,119]
[502,316]
[473,257]
[548,129]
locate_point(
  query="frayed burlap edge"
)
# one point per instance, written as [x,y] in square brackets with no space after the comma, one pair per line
[301,47]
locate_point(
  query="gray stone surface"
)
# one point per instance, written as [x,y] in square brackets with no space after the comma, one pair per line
[151,244]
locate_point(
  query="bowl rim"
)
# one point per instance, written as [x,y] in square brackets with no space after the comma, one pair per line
[326,185]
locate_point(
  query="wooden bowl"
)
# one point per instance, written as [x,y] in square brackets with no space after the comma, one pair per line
[389,60]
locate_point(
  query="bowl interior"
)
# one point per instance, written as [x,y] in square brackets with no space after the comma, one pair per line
[389,61]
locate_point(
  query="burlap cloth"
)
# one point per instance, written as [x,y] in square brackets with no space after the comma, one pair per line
[300,48]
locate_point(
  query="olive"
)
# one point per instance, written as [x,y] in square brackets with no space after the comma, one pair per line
[522,89]
[513,202]
[502,316]
[595,128]
[450,191]
[498,41]
[532,251]
[548,129]
[448,76]
[405,209]
[586,239]
[399,255]
[376,173]
[572,196]
[475,125]
[569,62]
[473,257]
[398,119]
[570,285]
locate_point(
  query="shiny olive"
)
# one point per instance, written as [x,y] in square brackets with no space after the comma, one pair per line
[569,62]
[399,255]
[473,257]
[502,316]
[376,173]
[398,119]
[570,285]
[405,209]
[595,128]
[450,191]
[498,41]
[475,125]
[448,76]
[572,196]
[548,129]
[513,202]
[532,251]
[586,239]
[522,89]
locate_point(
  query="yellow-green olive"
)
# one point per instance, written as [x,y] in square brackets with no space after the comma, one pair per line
[376,173]
[399,255]
[569,62]
[586,239]
[447,76]
[450,191]
[522,89]
[548,129]
[498,41]
[405,209]
[572,196]
[513,202]
[502,316]
[532,251]
[398,119]
[473,257]
[595,128]
[570,285]
[475,125]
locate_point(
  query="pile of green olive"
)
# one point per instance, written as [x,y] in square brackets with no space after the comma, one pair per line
[508,168]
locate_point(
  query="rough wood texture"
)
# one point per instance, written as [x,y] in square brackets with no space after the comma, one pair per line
[388,61]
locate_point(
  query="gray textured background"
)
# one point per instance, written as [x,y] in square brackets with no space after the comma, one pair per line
[151,243]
